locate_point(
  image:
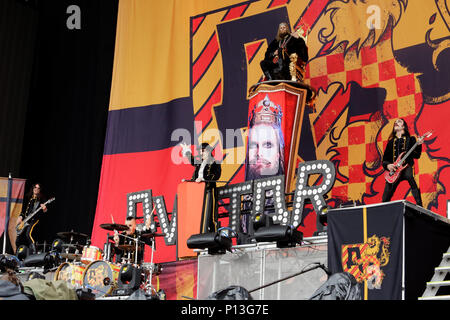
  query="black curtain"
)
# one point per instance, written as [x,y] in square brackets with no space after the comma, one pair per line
[66,107]
[18,25]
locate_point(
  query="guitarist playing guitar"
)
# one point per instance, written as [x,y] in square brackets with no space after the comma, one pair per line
[35,200]
[398,160]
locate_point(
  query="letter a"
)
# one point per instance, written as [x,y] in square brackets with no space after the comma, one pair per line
[74,20]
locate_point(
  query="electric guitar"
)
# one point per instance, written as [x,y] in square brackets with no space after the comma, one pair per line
[21,226]
[392,176]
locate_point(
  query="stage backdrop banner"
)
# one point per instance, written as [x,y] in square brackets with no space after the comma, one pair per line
[367,242]
[177,279]
[183,69]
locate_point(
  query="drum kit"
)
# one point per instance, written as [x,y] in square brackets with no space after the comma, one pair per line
[87,266]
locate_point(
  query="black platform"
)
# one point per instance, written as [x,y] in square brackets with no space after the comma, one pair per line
[417,239]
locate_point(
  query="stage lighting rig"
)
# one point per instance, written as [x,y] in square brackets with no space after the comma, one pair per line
[129,280]
[285,236]
[216,242]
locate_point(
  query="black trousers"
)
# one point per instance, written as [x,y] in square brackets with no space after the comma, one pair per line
[272,71]
[408,175]
[209,219]
[26,239]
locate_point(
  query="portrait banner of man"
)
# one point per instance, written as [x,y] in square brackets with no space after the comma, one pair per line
[274,124]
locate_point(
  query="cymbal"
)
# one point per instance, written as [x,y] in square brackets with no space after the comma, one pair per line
[114,226]
[71,234]
[152,235]
[71,256]
[68,245]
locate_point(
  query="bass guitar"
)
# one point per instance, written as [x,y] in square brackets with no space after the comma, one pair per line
[21,226]
[392,175]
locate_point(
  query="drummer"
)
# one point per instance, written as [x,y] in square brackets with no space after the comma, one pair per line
[132,233]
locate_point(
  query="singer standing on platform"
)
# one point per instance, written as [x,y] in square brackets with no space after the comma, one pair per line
[206,170]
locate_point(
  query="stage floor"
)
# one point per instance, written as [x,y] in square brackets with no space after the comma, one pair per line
[256,265]
[259,267]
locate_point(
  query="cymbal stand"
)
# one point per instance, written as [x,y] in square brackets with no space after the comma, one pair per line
[67,249]
[148,286]
[136,252]
[67,254]
[107,249]
[136,240]
[77,251]
[76,247]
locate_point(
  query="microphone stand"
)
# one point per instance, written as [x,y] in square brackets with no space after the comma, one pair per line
[149,285]
[319,265]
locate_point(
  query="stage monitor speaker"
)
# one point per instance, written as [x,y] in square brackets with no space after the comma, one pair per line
[47,260]
[57,245]
[22,252]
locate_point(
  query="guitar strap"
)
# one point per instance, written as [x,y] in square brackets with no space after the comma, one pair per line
[406,149]
[30,208]
[35,206]
[397,143]
[413,167]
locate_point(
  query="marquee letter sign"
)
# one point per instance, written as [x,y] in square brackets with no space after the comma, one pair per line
[316,192]
[144,197]
[168,227]
[234,193]
[259,190]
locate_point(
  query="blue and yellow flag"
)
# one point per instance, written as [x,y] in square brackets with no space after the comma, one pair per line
[11,195]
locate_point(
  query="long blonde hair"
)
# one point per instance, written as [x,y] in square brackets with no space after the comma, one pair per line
[278,37]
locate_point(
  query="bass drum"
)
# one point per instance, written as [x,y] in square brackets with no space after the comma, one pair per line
[71,273]
[101,277]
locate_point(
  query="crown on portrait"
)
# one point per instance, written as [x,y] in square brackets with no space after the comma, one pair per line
[266,111]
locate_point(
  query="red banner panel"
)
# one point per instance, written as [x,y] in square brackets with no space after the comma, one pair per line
[190,208]
[178,280]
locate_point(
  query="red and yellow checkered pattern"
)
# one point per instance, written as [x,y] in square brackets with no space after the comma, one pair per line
[356,145]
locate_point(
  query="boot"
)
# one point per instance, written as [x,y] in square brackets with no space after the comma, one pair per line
[268,75]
